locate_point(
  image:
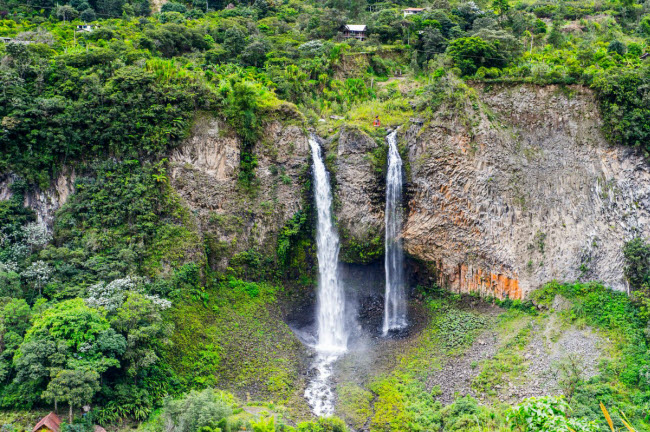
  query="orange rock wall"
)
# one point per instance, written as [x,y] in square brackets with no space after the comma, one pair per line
[466,279]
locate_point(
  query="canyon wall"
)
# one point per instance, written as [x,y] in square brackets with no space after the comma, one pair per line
[204,170]
[513,189]
[522,189]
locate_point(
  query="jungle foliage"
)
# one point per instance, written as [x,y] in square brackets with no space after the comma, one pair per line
[109,305]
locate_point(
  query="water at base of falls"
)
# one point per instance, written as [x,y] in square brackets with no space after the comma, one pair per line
[330,317]
[395,297]
[318,393]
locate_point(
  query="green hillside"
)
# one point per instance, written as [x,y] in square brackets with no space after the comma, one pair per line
[125,304]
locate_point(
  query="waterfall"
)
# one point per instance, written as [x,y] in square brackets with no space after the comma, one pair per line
[395,298]
[330,316]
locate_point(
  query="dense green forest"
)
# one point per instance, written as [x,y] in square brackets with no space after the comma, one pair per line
[106,306]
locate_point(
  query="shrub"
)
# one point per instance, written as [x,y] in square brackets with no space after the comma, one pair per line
[617,47]
[547,414]
[623,95]
[637,262]
[197,410]
[471,53]
[173,7]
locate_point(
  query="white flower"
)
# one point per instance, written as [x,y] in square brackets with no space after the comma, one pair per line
[39,272]
[36,235]
[8,267]
[160,302]
[111,296]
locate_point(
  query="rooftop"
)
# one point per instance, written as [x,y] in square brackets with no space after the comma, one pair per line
[355,27]
[50,421]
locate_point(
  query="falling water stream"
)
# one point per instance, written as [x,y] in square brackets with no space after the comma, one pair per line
[395,298]
[330,317]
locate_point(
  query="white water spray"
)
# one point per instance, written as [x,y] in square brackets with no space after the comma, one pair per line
[330,317]
[395,298]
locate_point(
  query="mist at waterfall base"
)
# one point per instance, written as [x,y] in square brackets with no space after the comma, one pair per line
[395,297]
[330,317]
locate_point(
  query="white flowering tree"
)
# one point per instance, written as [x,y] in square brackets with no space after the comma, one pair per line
[111,296]
[137,316]
[35,235]
[39,274]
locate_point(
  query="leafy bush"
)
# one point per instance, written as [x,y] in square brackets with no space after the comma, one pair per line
[173,7]
[623,95]
[197,410]
[459,327]
[547,414]
[637,262]
[471,53]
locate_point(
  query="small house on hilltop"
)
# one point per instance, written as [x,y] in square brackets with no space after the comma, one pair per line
[86,28]
[412,11]
[354,31]
[49,423]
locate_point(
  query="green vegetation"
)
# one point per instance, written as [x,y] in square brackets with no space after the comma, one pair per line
[229,321]
[620,383]
[216,411]
[402,397]
[361,252]
[131,303]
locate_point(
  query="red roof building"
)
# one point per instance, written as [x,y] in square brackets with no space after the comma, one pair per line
[49,423]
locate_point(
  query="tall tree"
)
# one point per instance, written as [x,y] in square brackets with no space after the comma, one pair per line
[67,336]
[76,387]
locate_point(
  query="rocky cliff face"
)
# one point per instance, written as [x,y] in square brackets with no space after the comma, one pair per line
[44,202]
[530,192]
[359,196]
[515,190]
[205,168]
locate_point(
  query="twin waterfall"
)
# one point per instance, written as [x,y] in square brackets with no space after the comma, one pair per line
[332,336]
[395,298]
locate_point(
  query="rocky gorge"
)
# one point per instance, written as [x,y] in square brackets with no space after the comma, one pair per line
[527,192]
[520,189]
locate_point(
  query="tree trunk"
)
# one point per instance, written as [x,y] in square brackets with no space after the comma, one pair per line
[70,413]
[56,406]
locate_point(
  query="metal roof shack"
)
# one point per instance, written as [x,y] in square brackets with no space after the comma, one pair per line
[412,11]
[86,28]
[357,31]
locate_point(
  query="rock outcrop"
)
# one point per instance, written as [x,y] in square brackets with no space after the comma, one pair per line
[205,168]
[530,192]
[518,189]
[359,197]
[45,203]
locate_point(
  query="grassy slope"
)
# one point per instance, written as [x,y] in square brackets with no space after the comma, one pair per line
[232,336]
[399,396]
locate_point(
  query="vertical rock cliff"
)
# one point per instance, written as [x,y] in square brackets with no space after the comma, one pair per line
[529,192]
[204,171]
[44,202]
